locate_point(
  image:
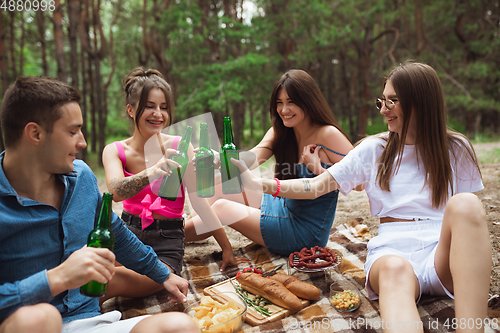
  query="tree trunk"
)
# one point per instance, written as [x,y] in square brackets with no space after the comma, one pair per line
[159,43]
[59,42]
[73,36]
[12,57]
[87,49]
[144,58]
[406,26]
[4,66]
[213,54]
[99,52]
[21,45]
[470,116]
[104,120]
[364,52]
[345,103]
[252,115]
[83,33]
[234,49]
[284,45]
[40,22]
[419,26]
[238,121]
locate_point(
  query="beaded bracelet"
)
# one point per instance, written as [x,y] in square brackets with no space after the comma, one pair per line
[278,189]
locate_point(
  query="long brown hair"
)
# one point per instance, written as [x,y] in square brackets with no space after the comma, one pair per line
[305,93]
[137,85]
[421,95]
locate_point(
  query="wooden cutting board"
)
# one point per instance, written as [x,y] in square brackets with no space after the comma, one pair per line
[253,317]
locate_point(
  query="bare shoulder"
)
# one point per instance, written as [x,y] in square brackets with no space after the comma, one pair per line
[328,135]
[167,139]
[336,143]
[110,149]
[268,137]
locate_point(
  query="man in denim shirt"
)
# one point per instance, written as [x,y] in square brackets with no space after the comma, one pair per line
[48,203]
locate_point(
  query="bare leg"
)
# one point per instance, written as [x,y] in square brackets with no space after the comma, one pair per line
[243,219]
[170,322]
[464,234]
[124,279]
[41,318]
[250,198]
[393,279]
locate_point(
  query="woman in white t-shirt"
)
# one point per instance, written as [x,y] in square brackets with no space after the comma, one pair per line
[419,178]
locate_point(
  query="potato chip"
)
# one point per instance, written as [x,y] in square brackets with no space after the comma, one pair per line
[212,313]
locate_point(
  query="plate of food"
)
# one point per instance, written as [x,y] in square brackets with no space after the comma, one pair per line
[315,259]
[268,298]
[223,312]
[344,296]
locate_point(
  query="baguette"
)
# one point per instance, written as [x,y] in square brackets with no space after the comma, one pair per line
[272,290]
[297,287]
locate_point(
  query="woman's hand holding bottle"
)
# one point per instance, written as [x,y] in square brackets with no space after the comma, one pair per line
[164,165]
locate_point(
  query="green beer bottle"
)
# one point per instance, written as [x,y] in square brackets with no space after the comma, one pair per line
[101,237]
[204,166]
[229,172]
[169,188]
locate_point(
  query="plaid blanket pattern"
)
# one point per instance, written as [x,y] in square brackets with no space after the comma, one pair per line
[437,313]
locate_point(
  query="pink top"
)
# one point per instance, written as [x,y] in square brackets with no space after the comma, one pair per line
[147,201]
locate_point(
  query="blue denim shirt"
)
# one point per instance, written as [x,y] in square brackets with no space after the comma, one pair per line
[36,237]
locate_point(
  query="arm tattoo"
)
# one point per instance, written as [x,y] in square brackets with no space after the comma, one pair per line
[128,187]
[307,185]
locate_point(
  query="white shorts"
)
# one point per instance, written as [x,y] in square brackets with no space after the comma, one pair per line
[108,322]
[416,242]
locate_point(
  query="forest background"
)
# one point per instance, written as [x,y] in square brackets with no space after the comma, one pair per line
[223,56]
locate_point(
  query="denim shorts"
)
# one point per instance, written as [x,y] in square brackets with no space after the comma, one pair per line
[168,244]
[288,225]
[416,242]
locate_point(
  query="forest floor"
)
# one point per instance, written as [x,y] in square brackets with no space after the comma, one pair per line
[355,205]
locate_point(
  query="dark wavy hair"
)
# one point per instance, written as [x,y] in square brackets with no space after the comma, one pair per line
[305,93]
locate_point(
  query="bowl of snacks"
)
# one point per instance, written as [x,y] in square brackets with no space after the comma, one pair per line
[344,296]
[223,312]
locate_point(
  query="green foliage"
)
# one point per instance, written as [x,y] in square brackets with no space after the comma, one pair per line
[215,59]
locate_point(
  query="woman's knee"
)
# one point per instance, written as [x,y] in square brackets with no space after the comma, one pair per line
[219,206]
[170,322]
[41,317]
[395,269]
[184,323]
[467,208]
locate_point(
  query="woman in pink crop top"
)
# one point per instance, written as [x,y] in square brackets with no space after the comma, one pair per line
[155,221]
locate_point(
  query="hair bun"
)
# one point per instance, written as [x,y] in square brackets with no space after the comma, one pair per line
[138,74]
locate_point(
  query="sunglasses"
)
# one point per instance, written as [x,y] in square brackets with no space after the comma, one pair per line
[389,103]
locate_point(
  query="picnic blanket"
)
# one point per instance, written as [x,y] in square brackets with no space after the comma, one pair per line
[437,313]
